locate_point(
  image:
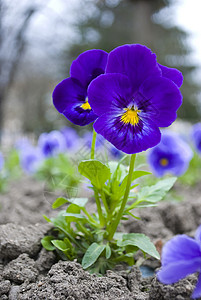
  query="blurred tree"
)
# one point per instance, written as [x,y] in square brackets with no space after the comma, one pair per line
[116,22]
[12,45]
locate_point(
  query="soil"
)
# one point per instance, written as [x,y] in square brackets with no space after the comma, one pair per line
[27,271]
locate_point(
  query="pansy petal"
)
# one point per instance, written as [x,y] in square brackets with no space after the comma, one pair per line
[180,248]
[172,74]
[68,97]
[109,92]
[89,65]
[163,98]
[126,137]
[174,272]
[135,61]
[197,290]
[67,93]
[198,235]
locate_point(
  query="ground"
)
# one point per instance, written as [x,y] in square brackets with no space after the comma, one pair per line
[27,271]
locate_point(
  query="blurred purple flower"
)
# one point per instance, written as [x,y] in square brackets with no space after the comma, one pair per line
[30,159]
[181,256]
[115,153]
[87,139]
[22,143]
[70,97]
[171,155]
[1,161]
[52,143]
[196,136]
[71,138]
[132,105]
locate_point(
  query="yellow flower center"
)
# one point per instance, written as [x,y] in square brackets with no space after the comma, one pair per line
[130,116]
[86,104]
[164,162]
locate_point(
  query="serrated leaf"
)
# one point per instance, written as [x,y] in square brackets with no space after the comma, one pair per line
[92,254]
[97,172]
[47,243]
[157,191]
[59,202]
[141,241]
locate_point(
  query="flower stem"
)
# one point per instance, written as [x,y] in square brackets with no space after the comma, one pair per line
[93,144]
[99,209]
[115,224]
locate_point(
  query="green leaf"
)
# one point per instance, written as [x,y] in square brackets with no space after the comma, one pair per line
[59,202]
[81,202]
[156,192]
[141,241]
[60,245]
[97,172]
[108,251]
[47,243]
[47,219]
[92,254]
[76,216]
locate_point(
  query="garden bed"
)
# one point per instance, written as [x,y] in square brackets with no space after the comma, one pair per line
[27,271]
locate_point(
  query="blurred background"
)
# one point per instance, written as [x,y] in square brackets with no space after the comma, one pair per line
[39,40]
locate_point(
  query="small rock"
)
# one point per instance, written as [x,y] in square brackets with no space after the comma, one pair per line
[45,260]
[14,291]
[4,287]
[16,239]
[21,269]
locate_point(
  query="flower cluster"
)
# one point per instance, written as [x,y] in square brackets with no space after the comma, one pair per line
[127,92]
[181,256]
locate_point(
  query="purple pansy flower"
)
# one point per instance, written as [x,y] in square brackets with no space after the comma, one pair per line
[52,143]
[134,98]
[196,136]
[181,256]
[70,96]
[171,155]
[31,159]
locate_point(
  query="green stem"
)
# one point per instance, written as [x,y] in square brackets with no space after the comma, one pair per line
[93,144]
[99,209]
[104,201]
[91,219]
[123,204]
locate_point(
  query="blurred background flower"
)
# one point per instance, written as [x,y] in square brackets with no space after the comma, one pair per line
[52,143]
[172,155]
[196,137]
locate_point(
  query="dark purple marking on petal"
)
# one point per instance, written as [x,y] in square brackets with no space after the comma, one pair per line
[79,116]
[109,92]
[159,98]
[126,137]
[88,66]
[172,74]
[135,61]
